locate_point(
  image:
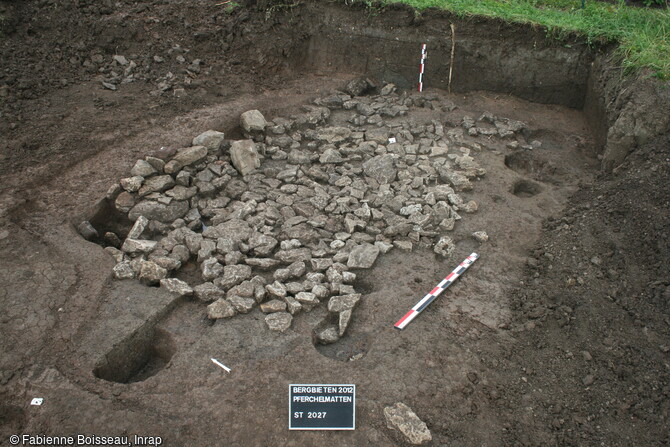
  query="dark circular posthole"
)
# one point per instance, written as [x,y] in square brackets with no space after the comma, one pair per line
[526,188]
[524,162]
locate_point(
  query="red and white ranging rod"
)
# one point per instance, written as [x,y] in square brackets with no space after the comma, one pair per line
[441,287]
[423,63]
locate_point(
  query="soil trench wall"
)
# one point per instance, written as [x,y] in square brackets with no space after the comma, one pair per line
[624,112]
[489,55]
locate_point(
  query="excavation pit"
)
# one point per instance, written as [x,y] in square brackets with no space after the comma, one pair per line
[526,189]
[142,355]
[327,220]
[290,217]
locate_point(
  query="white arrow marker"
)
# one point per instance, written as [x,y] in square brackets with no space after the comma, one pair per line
[217,363]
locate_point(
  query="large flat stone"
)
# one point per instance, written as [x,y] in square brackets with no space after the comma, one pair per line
[244,156]
[363,256]
[185,157]
[381,168]
[253,121]
[210,139]
[158,211]
[401,417]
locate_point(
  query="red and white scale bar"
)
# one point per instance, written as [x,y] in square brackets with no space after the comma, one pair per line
[441,287]
[423,64]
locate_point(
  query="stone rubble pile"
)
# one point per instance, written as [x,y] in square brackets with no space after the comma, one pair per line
[118,70]
[283,219]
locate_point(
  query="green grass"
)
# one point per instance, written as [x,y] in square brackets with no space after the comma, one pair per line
[643,34]
[230,6]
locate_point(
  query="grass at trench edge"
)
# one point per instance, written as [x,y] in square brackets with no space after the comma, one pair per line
[642,34]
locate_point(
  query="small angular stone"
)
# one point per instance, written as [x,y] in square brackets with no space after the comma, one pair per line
[177,286]
[117,254]
[155,163]
[480,236]
[166,262]
[138,228]
[220,309]
[158,211]
[208,292]
[403,245]
[244,289]
[253,121]
[292,305]
[294,255]
[279,321]
[241,304]
[321,264]
[151,273]
[343,321]
[334,134]
[320,291]
[445,246]
[138,246]
[358,86]
[87,231]
[327,335]
[211,269]
[181,192]
[457,180]
[259,293]
[341,303]
[307,298]
[262,263]
[469,207]
[331,156]
[295,287]
[123,270]
[113,191]
[132,184]
[276,290]
[210,139]
[143,169]
[233,275]
[273,306]
[207,248]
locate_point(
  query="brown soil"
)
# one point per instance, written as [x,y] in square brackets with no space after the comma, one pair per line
[558,335]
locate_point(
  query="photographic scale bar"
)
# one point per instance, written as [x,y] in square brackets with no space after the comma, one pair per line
[426,300]
[422,66]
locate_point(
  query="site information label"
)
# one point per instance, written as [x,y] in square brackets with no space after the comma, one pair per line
[322,407]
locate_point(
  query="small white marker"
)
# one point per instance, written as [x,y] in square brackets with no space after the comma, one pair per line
[392,140]
[37,401]
[217,363]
